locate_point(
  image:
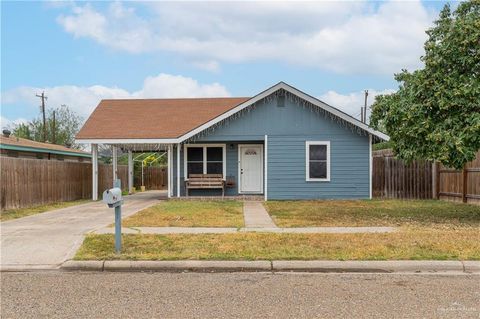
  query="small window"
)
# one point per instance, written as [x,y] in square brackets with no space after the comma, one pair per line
[318,160]
[12,153]
[39,156]
[204,159]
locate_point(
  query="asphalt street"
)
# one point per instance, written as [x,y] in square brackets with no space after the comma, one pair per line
[59,294]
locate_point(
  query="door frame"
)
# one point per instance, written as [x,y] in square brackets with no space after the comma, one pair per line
[240,167]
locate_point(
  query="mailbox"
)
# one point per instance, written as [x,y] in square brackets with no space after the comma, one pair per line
[112,197]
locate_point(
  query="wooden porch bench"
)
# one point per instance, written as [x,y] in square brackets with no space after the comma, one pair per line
[205,181]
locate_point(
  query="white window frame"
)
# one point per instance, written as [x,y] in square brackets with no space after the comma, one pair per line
[307,161]
[205,146]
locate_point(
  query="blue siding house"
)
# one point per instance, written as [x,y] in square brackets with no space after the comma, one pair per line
[281,144]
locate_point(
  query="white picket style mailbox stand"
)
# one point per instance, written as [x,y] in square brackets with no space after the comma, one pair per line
[113,198]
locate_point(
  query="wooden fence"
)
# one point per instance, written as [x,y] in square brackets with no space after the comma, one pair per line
[459,185]
[393,178]
[29,182]
[154,177]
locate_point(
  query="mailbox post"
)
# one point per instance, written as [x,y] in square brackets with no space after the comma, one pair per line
[113,198]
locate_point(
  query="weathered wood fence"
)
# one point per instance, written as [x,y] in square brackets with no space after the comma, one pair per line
[459,185]
[393,178]
[29,182]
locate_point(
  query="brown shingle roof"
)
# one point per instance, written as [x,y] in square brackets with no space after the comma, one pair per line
[23,142]
[153,118]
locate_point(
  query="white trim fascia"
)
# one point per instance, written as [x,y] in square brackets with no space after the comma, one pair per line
[265,174]
[294,91]
[205,145]
[307,161]
[128,141]
[370,165]
[239,168]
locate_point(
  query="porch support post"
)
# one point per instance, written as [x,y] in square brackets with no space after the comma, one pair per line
[169,175]
[178,170]
[94,172]
[114,162]
[130,172]
[265,174]
[370,165]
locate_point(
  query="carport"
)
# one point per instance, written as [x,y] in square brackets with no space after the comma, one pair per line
[150,125]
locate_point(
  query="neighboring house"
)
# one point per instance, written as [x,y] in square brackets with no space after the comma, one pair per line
[281,143]
[12,146]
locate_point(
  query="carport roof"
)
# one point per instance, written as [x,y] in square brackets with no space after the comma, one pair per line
[153,118]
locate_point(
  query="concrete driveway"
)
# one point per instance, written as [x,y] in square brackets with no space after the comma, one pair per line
[46,240]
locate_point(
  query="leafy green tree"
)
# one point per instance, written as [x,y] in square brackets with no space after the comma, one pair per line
[435,114]
[22,130]
[67,124]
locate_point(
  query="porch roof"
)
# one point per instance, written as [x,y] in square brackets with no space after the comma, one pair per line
[144,119]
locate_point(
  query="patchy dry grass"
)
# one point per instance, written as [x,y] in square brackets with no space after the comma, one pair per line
[23,212]
[373,213]
[189,214]
[408,244]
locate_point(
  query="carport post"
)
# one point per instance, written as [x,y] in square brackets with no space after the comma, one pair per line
[130,172]
[178,170]
[94,172]
[169,167]
[114,162]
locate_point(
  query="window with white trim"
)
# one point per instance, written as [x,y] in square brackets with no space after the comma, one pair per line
[317,161]
[204,159]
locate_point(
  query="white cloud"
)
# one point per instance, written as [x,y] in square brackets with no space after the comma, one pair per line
[83,100]
[350,103]
[6,123]
[343,36]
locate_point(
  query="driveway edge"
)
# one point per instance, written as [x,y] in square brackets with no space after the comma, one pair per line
[313,266]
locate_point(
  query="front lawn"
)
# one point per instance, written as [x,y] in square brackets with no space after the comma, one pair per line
[189,214]
[415,244]
[373,213]
[23,212]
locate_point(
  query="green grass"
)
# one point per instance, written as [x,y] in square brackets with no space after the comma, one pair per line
[189,214]
[23,212]
[408,244]
[431,213]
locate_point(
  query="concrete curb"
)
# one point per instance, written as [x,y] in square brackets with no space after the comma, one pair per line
[319,266]
[26,268]
[398,266]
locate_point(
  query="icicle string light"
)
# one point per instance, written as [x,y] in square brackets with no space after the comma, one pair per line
[273,98]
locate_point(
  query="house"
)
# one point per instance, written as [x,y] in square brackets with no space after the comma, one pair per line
[280,144]
[13,146]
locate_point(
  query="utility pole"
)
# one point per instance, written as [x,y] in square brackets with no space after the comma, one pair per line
[42,107]
[54,140]
[365,107]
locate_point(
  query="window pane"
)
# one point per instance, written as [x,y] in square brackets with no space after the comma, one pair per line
[214,168]
[195,154]
[318,152]
[194,168]
[318,169]
[214,154]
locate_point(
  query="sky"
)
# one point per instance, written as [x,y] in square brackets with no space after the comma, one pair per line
[81,52]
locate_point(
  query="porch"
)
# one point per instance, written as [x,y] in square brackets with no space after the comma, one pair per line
[242,166]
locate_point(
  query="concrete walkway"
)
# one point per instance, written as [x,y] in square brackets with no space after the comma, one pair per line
[223,230]
[256,216]
[46,240]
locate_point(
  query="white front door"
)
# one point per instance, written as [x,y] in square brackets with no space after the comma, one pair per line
[251,169]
